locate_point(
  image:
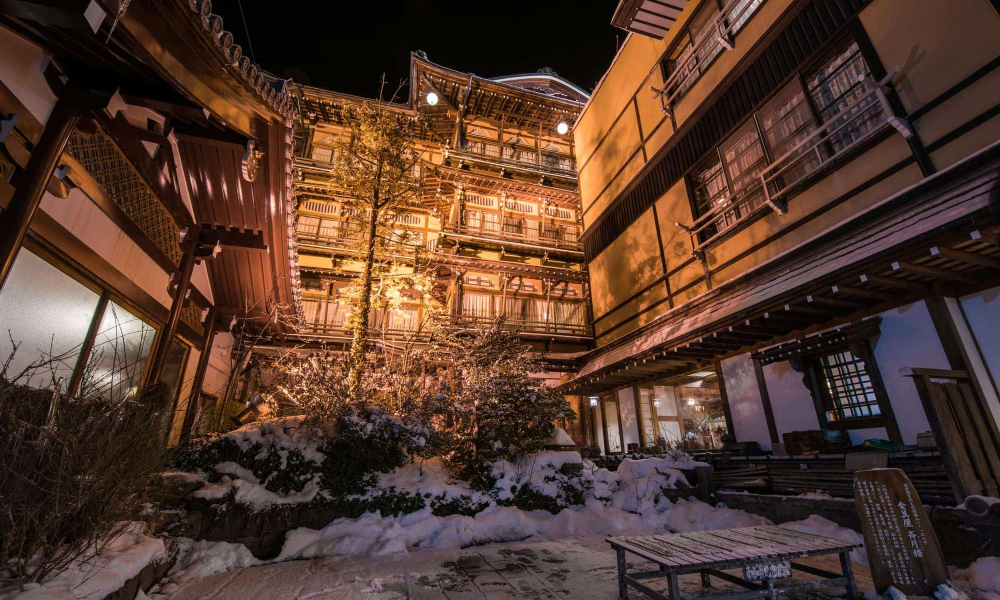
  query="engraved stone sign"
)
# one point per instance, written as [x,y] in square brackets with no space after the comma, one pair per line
[902,547]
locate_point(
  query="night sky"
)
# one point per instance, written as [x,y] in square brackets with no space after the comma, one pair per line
[346,45]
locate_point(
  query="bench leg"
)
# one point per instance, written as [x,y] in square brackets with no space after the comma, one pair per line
[706,580]
[770,590]
[848,570]
[674,587]
[622,586]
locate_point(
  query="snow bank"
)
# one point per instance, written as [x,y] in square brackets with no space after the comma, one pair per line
[200,559]
[818,525]
[100,572]
[373,535]
[984,574]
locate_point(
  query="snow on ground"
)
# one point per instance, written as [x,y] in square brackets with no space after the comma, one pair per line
[983,576]
[99,572]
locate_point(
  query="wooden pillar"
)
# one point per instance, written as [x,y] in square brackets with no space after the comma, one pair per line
[161,347]
[30,184]
[765,399]
[88,345]
[951,340]
[725,400]
[863,350]
[604,426]
[199,375]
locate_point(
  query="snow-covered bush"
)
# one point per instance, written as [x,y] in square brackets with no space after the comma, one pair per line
[501,413]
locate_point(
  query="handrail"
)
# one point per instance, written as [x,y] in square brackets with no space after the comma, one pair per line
[499,233]
[813,152]
[551,327]
[816,141]
[718,32]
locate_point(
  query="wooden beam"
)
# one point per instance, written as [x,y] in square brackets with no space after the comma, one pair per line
[861,293]
[900,284]
[933,272]
[985,236]
[838,302]
[31,183]
[966,257]
[194,397]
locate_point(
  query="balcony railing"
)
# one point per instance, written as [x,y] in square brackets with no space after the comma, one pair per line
[841,133]
[515,156]
[563,237]
[527,326]
[716,36]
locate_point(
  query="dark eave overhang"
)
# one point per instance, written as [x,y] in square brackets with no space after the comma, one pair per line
[652,18]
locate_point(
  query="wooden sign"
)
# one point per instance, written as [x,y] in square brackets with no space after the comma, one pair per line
[903,550]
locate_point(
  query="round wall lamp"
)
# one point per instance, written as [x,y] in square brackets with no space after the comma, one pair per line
[432,98]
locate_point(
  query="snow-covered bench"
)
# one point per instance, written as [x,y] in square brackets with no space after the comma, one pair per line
[763,553]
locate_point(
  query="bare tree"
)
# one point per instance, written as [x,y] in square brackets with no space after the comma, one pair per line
[376,170]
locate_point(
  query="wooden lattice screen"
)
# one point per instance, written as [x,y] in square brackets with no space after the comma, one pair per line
[191,314]
[107,164]
[965,430]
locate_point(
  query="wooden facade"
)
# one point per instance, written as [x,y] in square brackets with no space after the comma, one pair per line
[795,173]
[499,214]
[146,176]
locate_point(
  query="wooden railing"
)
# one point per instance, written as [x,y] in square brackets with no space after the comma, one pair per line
[716,36]
[842,132]
[513,156]
[563,237]
[525,326]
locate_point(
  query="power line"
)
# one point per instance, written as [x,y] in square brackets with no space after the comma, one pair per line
[247,30]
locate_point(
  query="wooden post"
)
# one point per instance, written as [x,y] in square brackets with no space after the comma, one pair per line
[30,184]
[726,409]
[765,399]
[88,345]
[199,375]
[951,340]
[604,426]
[161,347]
[863,350]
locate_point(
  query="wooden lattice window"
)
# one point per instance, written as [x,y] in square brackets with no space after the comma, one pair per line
[107,164]
[848,387]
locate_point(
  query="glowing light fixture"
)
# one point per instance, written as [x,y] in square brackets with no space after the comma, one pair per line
[692,402]
[562,127]
[593,401]
[432,98]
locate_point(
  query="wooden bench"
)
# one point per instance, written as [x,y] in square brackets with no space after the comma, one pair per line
[763,553]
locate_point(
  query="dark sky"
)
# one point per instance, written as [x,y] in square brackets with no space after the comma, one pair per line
[345,45]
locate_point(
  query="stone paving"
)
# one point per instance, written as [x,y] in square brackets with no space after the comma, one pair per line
[565,570]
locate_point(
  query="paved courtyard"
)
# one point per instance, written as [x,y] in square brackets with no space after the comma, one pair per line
[573,569]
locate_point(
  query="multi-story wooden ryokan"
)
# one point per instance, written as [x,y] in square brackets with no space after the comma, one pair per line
[786,205]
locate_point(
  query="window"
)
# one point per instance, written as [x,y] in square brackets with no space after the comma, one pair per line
[121,348]
[647,417]
[786,121]
[307,226]
[47,313]
[480,280]
[477,305]
[836,86]
[569,313]
[709,186]
[322,154]
[847,387]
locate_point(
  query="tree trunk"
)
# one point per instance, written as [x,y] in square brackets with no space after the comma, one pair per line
[360,342]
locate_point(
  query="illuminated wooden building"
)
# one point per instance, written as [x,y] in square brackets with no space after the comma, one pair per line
[501,210]
[145,180]
[803,206]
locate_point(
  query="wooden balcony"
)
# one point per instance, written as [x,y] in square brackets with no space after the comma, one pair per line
[544,238]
